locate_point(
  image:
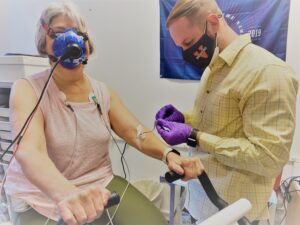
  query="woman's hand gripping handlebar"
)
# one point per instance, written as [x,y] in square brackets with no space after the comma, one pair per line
[113,200]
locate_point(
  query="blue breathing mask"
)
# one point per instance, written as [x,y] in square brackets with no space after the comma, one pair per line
[70,36]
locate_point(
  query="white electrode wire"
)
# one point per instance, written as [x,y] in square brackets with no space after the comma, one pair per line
[114,214]
[125,190]
[121,199]
[110,219]
[123,194]
[115,141]
[47,221]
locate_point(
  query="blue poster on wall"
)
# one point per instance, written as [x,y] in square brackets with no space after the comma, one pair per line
[266,21]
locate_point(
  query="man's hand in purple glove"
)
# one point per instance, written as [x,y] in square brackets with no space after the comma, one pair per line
[170,113]
[172,132]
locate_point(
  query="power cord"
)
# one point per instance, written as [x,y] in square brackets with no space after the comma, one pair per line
[286,184]
[25,126]
[286,192]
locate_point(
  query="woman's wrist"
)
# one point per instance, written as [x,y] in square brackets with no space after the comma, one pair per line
[166,154]
[62,193]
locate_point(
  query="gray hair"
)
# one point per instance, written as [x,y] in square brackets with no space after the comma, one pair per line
[55,9]
[195,10]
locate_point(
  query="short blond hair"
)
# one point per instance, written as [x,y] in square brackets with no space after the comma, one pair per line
[195,10]
[55,9]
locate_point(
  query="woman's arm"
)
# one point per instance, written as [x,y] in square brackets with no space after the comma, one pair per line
[32,151]
[125,124]
[84,205]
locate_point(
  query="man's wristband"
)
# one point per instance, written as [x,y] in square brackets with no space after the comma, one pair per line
[192,139]
[166,152]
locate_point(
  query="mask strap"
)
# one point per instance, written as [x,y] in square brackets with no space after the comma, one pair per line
[44,24]
[84,35]
[53,58]
[85,38]
[85,61]
[205,29]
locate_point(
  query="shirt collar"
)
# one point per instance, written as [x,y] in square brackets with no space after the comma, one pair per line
[232,50]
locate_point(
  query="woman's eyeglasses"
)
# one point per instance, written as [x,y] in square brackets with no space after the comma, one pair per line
[54,33]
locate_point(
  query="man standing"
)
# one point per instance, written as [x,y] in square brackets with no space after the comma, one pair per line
[244,113]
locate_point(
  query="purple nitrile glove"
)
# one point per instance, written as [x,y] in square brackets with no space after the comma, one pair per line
[172,132]
[170,113]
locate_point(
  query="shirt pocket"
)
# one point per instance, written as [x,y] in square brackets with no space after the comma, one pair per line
[222,114]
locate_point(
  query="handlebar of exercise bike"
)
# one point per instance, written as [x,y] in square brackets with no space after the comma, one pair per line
[209,190]
[113,200]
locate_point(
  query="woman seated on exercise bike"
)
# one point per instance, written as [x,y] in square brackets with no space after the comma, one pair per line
[62,166]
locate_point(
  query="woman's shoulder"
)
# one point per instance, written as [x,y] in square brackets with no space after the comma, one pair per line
[99,85]
[32,83]
[42,75]
[96,81]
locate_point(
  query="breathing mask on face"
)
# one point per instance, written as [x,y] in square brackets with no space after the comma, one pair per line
[200,54]
[70,37]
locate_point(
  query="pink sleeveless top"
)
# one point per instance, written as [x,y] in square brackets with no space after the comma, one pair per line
[77,143]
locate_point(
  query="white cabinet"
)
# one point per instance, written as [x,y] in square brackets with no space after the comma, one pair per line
[16,67]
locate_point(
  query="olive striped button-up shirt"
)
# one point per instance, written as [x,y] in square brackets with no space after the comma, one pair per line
[245,110]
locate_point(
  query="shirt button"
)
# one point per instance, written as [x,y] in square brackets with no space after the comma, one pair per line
[201,111]
[207,91]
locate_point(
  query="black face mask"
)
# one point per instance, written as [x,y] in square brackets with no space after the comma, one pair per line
[201,53]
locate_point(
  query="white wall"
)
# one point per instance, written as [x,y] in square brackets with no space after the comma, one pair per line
[126,33]
[293,52]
